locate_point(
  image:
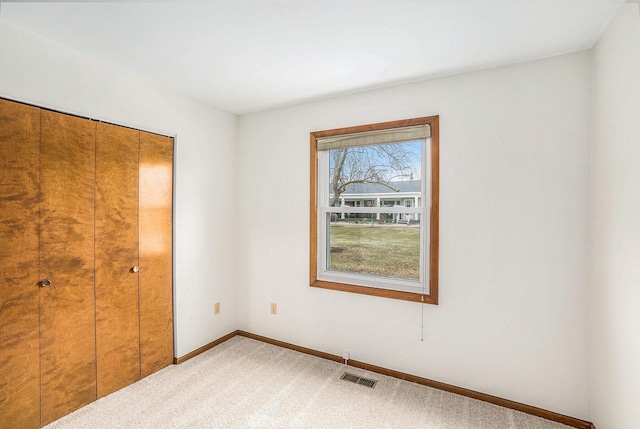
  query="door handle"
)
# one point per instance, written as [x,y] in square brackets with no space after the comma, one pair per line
[135,269]
[45,283]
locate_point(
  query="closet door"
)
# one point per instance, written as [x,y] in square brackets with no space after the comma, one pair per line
[67,305]
[117,309]
[19,348]
[156,292]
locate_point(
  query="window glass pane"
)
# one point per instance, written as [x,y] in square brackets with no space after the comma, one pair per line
[372,203]
[373,176]
[367,246]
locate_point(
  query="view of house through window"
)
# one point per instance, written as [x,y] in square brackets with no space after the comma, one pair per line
[381,243]
[374,200]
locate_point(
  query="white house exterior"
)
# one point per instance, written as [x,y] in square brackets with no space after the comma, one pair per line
[397,194]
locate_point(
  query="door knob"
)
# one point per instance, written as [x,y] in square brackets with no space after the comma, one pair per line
[45,283]
[135,269]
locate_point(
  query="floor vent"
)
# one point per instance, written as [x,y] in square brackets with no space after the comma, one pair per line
[359,380]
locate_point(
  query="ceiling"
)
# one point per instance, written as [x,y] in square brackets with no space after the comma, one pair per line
[250,55]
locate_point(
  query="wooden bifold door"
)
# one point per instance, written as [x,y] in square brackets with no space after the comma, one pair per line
[85,261]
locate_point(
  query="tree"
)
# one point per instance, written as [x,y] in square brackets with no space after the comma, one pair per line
[379,164]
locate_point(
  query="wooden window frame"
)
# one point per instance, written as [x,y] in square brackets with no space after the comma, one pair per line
[426,298]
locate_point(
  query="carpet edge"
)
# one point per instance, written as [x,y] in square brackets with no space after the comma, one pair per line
[502,402]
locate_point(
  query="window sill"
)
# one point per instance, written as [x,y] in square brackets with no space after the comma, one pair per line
[385,293]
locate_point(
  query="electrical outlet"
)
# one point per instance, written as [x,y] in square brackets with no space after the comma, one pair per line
[216,308]
[274,308]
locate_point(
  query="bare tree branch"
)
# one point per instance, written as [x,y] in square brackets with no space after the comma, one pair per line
[370,164]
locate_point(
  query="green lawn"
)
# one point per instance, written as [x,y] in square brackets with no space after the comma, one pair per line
[382,250]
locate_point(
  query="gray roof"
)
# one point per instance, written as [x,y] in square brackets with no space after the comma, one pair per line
[374,188]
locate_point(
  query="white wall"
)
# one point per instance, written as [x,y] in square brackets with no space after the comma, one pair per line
[614,299]
[512,319]
[514,204]
[44,73]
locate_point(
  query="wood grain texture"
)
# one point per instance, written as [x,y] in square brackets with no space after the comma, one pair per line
[156,276]
[375,127]
[425,298]
[19,198]
[117,309]
[373,291]
[67,307]
[434,225]
[313,211]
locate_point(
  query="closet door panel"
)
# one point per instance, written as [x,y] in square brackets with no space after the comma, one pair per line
[19,344]
[156,291]
[67,306]
[117,310]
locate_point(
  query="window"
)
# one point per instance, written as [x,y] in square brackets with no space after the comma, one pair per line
[388,244]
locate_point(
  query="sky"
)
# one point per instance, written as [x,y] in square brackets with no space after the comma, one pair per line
[413,150]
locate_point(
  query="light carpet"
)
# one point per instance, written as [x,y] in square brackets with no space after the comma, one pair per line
[243,383]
